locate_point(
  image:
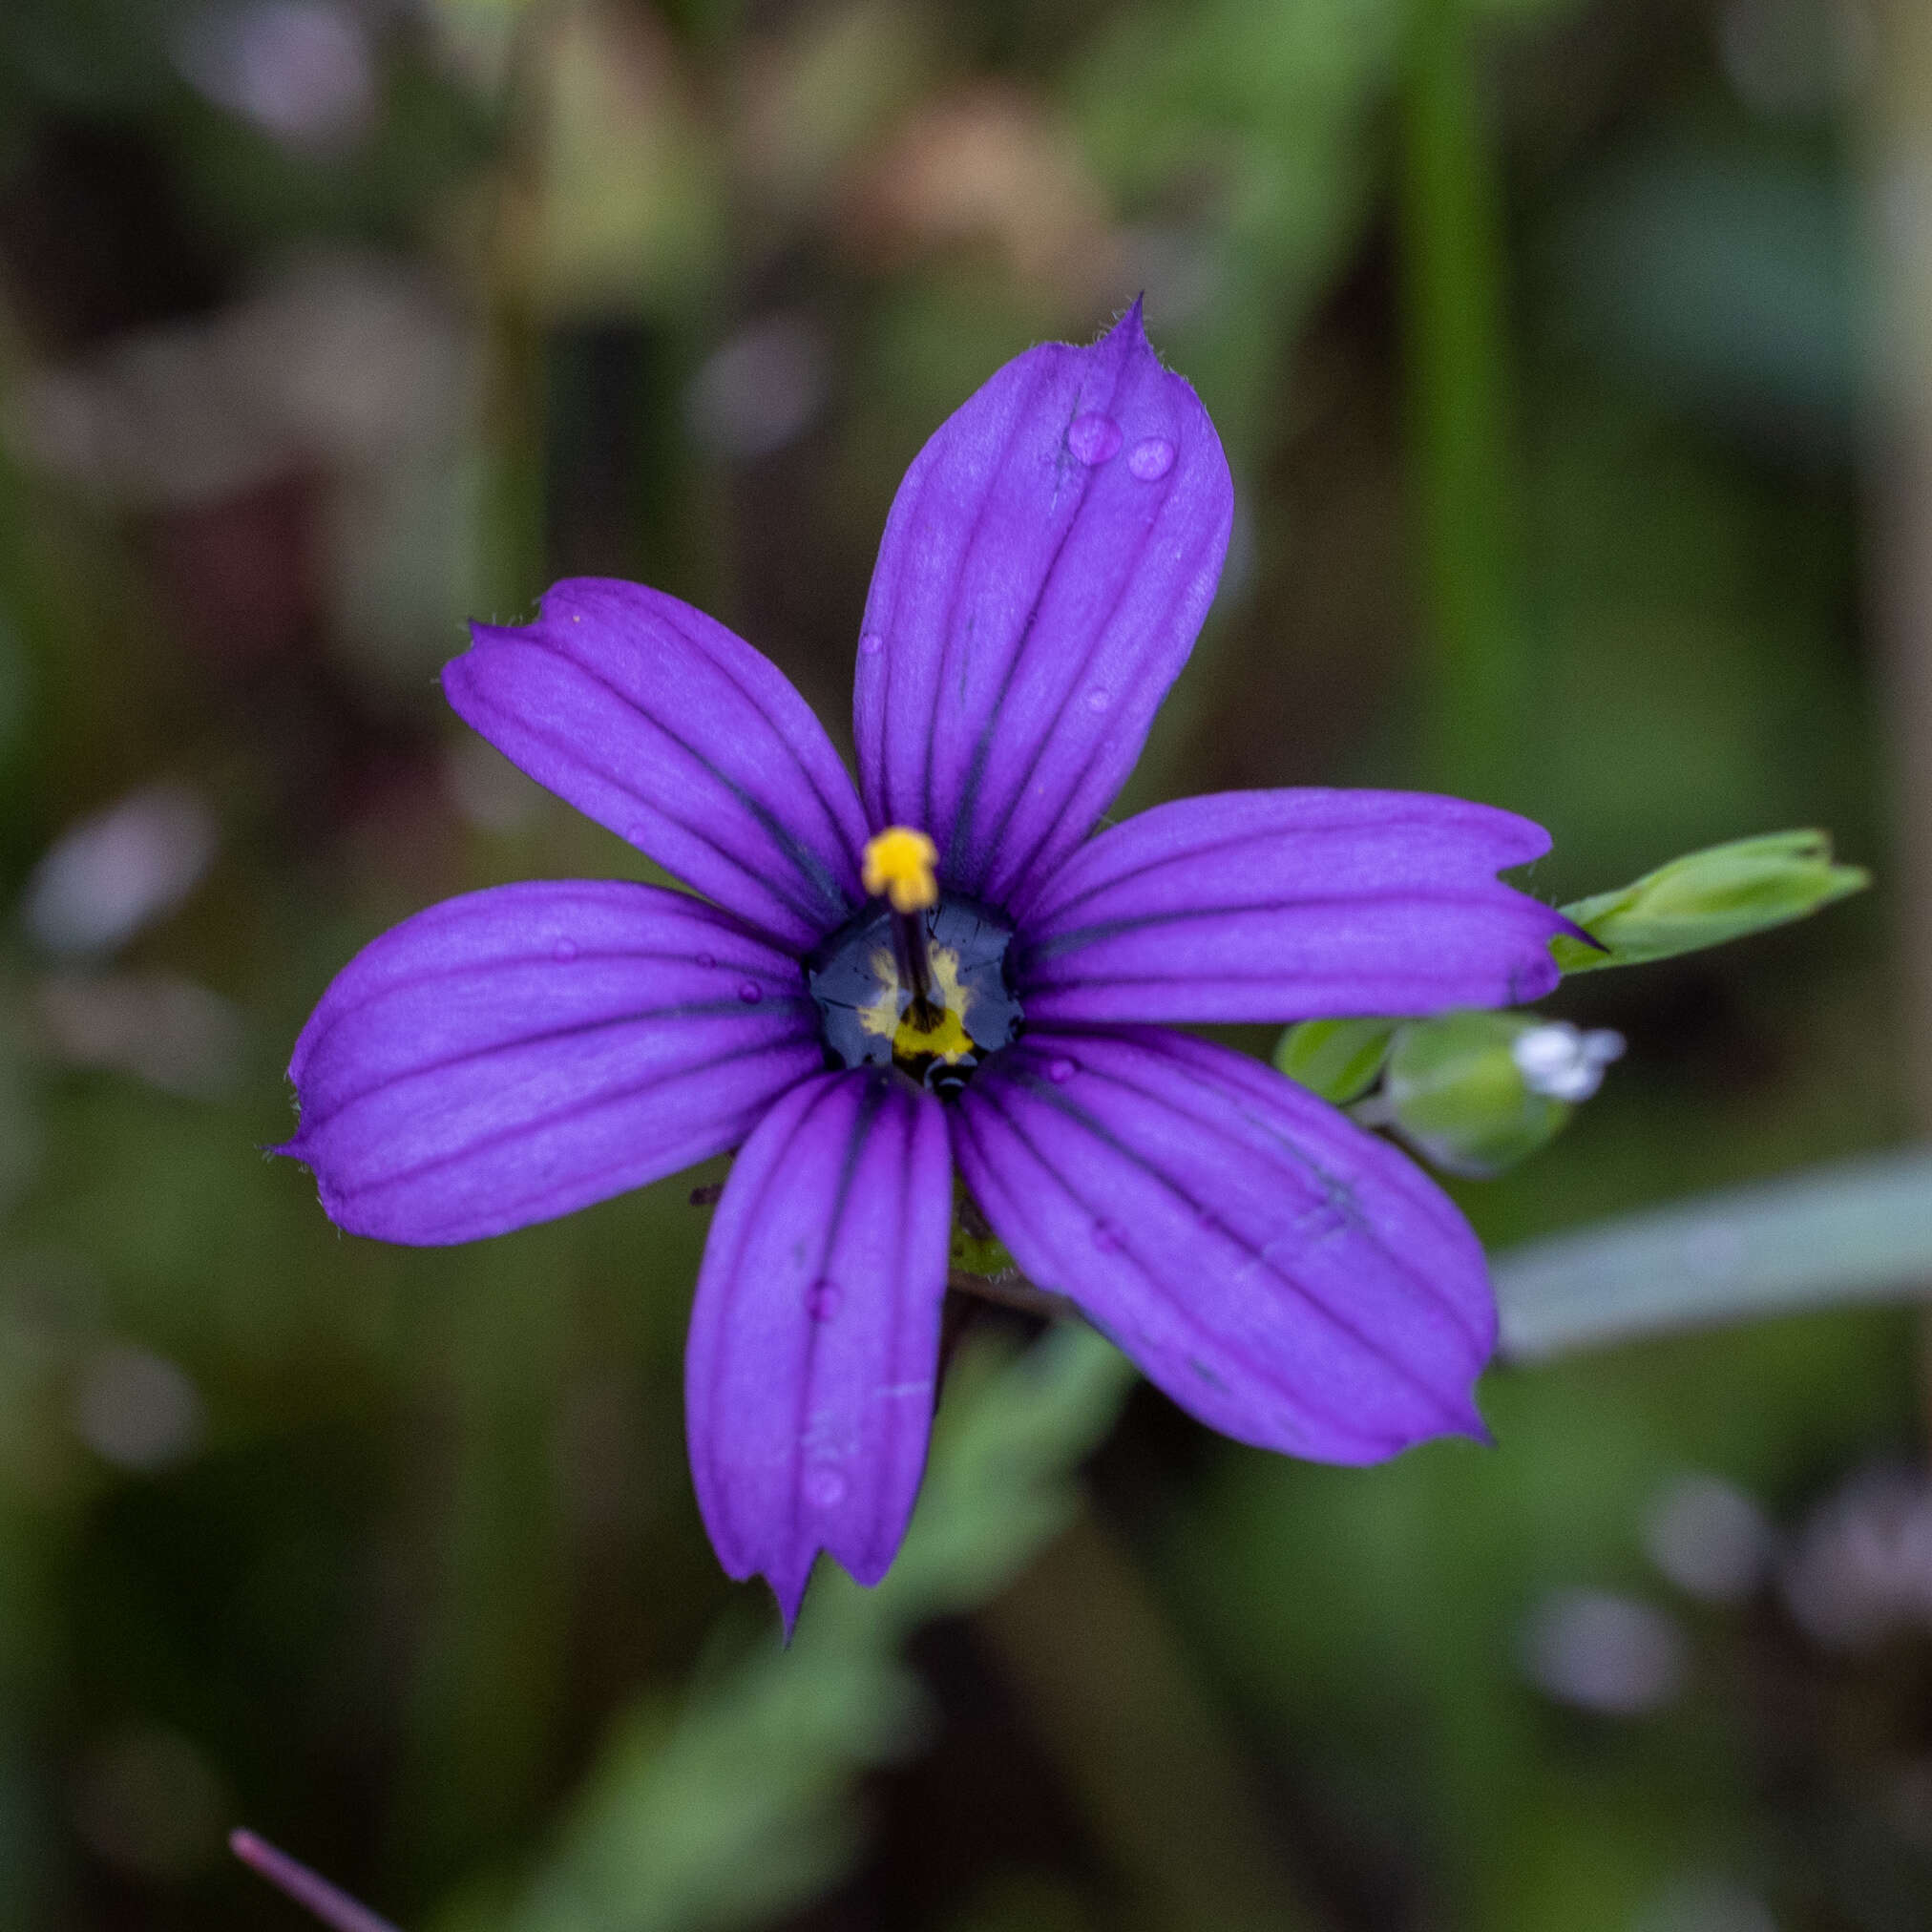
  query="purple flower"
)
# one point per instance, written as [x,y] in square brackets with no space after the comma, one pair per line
[946,968]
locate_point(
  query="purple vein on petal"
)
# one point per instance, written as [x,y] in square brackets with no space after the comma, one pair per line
[521,1052]
[1287,905]
[1258,1256]
[800,1010]
[975,773]
[1156,1290]
[1326,1184]
[610,1098]
[1011,572]
[666,726]
[1337,1303]
[656,800]
[808,1421]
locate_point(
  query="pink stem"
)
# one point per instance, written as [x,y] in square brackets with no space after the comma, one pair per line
[333,1907]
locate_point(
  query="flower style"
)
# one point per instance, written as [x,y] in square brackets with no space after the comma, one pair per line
[948,967]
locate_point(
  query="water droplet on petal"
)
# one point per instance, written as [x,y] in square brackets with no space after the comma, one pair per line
[821,1300]
[826,1488]
[871,644]
[1061,1071]
[749,992]
[1097,699]
[564,951]
[1151,458]
[1108,1238]
[1093,437]
[707,959]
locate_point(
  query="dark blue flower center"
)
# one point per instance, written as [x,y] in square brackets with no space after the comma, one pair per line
[871,1012]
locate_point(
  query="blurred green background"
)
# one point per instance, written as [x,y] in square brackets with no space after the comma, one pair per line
[1540,335]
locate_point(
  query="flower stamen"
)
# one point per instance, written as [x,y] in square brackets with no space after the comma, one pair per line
[874,1012]
[902,865]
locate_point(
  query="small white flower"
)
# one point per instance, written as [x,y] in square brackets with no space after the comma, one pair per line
[1563,1061]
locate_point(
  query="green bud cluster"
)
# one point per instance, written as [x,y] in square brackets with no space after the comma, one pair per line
[1475,1092]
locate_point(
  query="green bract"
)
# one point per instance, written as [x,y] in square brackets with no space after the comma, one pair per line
[1336,1059]
[975,1249]
[1708,897]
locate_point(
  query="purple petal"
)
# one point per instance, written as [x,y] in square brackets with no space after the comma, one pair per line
[1046,565]
[1288,905]
[1290,1279]
[661,725]
[512,1055]
[815,1336]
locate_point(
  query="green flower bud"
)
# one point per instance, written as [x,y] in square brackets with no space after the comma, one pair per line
[1707,898]
[1336,1059]
[1475,1093]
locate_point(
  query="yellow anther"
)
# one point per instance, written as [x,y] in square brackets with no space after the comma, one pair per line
[902,865]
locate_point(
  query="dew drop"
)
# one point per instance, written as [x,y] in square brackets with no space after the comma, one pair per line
[1093,437]
[1061,1071]
[871,644]
[1108,1238]
[749,992]
[1097,699]
[1151,458]
[707,959]
[564,951]
[821,1300]
[826,1488]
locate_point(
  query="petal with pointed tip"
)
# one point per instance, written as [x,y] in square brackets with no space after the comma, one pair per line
[659,723]
[512,1055]
[1031,608]
[1288,905]
[815,1335]
[1288,1278]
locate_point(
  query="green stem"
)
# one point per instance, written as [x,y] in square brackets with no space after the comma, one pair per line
[1476,669]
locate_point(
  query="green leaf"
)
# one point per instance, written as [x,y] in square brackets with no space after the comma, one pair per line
[1708,897]
[1455,1093]
[1336,1059]
[1861,1231]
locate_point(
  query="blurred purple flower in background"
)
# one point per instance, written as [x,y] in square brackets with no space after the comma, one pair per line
[941,968]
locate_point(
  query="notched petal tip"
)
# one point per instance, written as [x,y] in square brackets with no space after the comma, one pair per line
[790,1587]
[1563,927]
[1132,324]
[787,1592]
